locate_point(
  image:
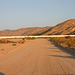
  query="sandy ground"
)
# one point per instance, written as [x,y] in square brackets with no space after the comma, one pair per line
[8,47]
[38,57]
[5,48]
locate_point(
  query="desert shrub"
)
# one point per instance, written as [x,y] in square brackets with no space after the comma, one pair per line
[22,42]
[14,44]
[69,41]
[68,37]
[30,38]
[33,38]
[2,49]
[4,41]
[23,39]
[19,42]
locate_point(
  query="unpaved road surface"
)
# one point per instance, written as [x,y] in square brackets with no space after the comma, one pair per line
[39,57]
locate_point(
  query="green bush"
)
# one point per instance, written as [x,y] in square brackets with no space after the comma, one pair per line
[22,42]
[14,44]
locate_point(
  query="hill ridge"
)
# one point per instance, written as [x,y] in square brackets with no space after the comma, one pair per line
[64,28]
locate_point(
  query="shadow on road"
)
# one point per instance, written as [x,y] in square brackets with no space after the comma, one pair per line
[63,56]
[2,73]
[64,49]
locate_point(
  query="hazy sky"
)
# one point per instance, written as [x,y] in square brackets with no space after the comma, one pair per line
[16,14]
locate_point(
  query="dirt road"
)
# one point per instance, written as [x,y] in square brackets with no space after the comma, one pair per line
[39,57]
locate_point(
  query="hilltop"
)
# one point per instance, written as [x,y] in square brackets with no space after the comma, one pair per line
[67,27]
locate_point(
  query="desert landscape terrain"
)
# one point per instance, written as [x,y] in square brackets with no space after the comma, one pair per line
[37,37]
[37,57]
[41,55]
[64,28]
[9,45]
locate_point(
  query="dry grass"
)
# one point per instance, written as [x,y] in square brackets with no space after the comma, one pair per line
[30,38]
[8,45]
[6,41]
[65,41]
[12,40]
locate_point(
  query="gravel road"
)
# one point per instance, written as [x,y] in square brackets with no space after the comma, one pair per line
[37,57]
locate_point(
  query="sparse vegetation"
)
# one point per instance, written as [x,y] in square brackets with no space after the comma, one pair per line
[2,49]
[21,42]
[7,45]
[14,44]
[23,39]
[12,41]
[65,41]
[68,37]
[30,38]
[6,41]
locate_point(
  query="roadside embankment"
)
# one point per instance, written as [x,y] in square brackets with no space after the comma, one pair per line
[67,43]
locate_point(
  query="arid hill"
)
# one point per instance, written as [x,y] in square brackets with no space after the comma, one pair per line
[24,31]
[67,27]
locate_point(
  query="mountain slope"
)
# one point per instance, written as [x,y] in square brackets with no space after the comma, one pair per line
[24,31]
[67,27]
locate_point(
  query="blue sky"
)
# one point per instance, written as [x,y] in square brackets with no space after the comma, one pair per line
[16,14]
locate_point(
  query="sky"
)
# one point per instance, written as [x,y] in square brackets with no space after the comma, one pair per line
[15,14]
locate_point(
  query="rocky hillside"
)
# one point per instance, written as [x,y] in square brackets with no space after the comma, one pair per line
[67,27]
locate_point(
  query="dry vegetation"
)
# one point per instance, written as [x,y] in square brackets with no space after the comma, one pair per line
[30,38]
[7,45]
[24,31]
[65,41]
[11,41]
[64,28]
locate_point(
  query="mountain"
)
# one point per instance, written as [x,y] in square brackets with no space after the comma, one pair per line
[67,27]
[7,30]
[64,28]
[24,31]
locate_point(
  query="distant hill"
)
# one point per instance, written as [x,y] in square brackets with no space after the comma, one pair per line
[67,27]
[24,31]
[7,30]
